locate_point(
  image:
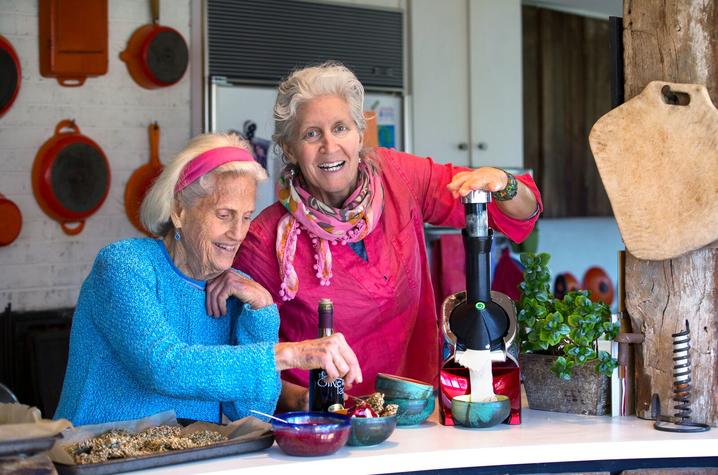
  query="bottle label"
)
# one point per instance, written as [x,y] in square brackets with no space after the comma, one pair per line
[323,393]
[337,384]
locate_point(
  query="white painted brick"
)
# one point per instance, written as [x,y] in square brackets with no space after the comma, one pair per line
[18,7]
[44,267]
[41,299]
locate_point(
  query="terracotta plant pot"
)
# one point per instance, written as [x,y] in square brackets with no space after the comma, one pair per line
[587,392]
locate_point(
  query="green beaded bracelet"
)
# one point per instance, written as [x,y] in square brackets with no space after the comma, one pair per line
[512,187]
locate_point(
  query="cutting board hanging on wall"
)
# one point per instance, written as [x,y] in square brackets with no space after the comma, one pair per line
[657,155]
[73,39]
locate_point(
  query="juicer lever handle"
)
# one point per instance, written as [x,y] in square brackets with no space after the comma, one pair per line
[477,196]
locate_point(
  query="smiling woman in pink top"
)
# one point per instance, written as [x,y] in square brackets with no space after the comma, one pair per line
[349,225]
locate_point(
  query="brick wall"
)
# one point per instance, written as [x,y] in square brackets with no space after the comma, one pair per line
[44,267]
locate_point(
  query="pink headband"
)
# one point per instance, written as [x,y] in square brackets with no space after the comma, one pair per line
[208,161]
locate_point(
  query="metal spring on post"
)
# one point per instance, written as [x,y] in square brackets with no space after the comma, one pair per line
[681,420]
[682,375]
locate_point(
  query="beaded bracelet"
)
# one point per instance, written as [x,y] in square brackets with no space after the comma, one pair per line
[512,187]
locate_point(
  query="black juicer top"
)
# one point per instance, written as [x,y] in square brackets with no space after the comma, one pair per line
[478,322]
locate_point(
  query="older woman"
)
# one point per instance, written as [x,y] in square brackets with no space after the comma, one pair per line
[141,339]
[373,204]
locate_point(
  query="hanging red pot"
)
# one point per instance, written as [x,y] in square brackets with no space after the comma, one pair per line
[156,56]
[11,220]
[70,177]
[142,179]
[10,75]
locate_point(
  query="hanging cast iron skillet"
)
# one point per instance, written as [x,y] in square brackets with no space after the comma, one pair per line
[70,177]
[141,180]
[156,56]
[11,220]
[10,75]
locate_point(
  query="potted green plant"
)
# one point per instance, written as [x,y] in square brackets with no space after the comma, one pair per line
[559,344]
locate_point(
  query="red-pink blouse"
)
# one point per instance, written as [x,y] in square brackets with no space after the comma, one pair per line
[384,306]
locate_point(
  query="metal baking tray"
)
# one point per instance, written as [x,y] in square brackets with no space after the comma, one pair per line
[221,449]
[26,446]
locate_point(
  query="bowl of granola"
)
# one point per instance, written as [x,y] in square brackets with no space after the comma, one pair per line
[372,420]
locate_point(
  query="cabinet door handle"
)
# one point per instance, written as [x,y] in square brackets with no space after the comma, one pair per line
[483,146]
[463,146]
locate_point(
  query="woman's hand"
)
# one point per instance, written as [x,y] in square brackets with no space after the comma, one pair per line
[331,353]
[522,206]
[484,178]
[233,284]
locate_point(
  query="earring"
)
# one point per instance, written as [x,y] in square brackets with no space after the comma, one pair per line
[359,159]
[177,235]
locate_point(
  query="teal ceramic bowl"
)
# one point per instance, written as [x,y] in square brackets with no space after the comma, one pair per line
[412,411]
[371,430]
[402,388]
[480,414]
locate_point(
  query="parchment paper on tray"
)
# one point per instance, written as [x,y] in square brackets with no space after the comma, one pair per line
[23,430]
[244,435]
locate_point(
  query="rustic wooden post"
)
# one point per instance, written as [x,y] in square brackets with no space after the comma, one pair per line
[676,41]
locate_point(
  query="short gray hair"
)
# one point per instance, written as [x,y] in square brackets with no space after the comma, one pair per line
[327,79]
[156,209]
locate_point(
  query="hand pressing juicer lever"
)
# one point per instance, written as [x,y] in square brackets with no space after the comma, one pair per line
[480,324]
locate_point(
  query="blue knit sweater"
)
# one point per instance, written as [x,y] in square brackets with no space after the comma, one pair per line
[142,343]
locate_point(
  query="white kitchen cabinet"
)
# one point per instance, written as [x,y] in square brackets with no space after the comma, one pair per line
[465,83]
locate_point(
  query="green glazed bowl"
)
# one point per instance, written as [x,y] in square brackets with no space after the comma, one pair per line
[371,430]
[402,388]
[480,414]
[412,411]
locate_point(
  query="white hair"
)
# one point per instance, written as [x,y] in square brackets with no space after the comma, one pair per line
[157,207]
[327,79]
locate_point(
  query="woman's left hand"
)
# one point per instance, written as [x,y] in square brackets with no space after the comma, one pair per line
[233,284]
[484,178]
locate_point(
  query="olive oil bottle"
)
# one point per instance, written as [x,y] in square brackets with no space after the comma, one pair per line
[322,393]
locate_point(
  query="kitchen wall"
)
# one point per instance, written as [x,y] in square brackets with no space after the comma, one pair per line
[44,267]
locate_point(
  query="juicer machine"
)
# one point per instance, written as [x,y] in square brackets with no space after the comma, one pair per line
[479,318]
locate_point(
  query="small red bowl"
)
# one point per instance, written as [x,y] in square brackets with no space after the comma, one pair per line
[310,434]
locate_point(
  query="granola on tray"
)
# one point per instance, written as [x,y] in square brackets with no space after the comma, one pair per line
[116,444]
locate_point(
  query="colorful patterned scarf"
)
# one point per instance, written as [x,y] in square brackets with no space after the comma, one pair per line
[325,224]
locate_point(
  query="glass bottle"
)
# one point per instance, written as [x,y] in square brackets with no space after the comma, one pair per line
[322,393]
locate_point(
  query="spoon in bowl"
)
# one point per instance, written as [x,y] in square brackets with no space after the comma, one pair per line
[355,398]
[275,418]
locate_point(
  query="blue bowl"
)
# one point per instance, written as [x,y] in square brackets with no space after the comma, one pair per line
[398,387]
[412,411]
[310,434]
[371,430]
[480,414]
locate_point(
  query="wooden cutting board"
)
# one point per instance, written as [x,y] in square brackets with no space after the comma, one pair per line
[657,155]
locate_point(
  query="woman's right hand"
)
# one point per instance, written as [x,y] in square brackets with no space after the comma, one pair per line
[331,353]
